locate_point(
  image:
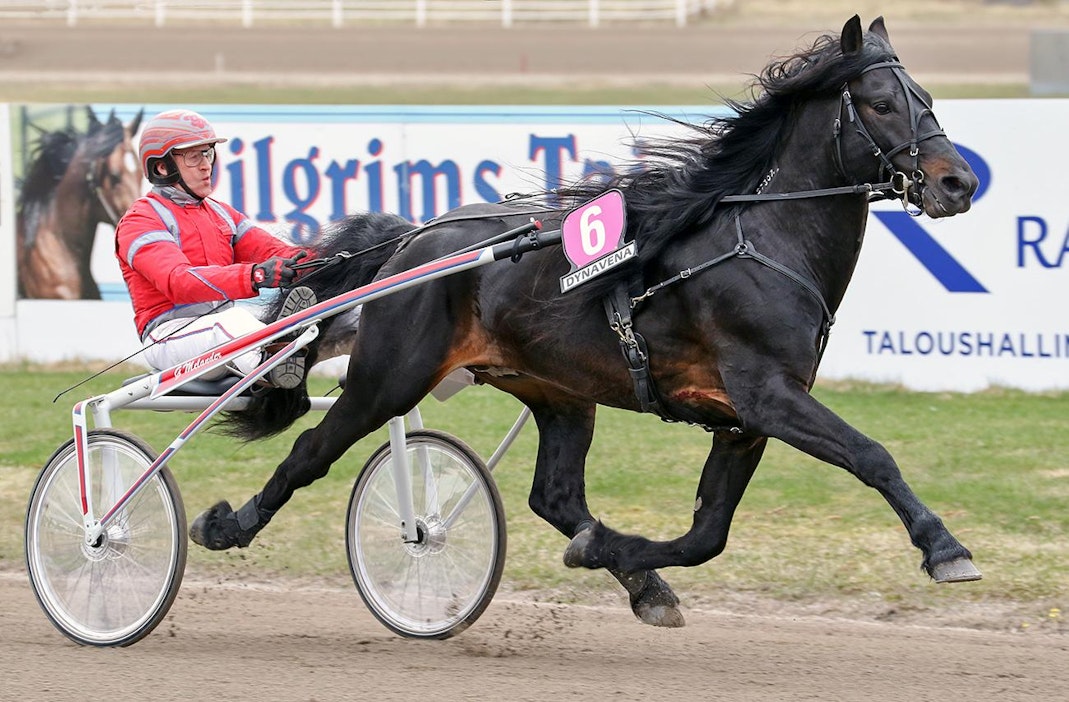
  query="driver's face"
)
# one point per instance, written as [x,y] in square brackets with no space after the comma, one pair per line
[197,177]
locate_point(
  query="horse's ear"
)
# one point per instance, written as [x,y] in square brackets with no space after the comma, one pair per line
[877,27]
[850,40]
[94,121]
[135,123]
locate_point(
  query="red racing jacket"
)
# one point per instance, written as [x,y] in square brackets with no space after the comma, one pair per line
[181,257]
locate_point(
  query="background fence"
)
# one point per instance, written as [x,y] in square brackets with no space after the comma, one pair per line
[352,12]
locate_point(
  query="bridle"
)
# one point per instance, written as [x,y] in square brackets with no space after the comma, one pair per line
[900,181]
[98,173]
[96,188]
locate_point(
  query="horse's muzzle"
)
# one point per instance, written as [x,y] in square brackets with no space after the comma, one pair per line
[949,192]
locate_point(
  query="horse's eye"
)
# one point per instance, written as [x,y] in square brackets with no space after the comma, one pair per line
[881,108]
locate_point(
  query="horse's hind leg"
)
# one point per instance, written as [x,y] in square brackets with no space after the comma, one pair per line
[728,469]
[558,495]
[384,381]
[315,450]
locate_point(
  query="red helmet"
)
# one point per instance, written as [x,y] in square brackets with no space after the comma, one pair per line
[173,129]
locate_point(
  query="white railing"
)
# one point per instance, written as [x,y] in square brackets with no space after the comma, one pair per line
[340,13]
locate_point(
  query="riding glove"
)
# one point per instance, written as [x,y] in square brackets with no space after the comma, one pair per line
[276,272]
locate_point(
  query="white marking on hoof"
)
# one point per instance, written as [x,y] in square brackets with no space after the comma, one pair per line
[958,571]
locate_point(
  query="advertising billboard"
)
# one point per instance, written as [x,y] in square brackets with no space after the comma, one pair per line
[961,303]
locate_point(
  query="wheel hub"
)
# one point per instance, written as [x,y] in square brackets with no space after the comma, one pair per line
[112,543]
[430,535]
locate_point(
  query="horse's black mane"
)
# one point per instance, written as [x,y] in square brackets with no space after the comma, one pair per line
[50,159]
[675,191]
[372,237]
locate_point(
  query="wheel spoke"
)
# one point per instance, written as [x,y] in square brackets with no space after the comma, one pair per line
[113,592]
[439,586]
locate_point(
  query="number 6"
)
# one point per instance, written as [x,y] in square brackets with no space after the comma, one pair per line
[592,231]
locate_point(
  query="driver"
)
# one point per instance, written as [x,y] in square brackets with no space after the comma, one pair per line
[186,257]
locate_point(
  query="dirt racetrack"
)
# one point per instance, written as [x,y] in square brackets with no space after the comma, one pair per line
[226,642]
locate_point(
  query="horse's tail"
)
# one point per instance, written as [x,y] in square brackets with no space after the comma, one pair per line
[371,239]
[266,415]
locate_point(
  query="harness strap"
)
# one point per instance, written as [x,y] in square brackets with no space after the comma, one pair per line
[618,310]
[860,189]
[746,249]
[743,249]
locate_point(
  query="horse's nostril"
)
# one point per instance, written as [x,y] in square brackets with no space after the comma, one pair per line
[960,184]
[952,185]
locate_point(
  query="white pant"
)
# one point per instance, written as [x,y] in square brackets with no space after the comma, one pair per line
[179,340]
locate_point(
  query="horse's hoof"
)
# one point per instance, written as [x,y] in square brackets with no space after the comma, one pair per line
[217,529]
[960,570]
[575,554]
[652,599]
[660,615]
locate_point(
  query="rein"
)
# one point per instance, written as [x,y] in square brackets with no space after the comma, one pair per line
[109,210]
[899,186]
[745,249]
[317,264]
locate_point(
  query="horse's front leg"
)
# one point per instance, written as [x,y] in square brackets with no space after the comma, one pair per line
[786,411]
[558,495]
[728,469]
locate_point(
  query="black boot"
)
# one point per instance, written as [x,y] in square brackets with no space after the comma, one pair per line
[220,527]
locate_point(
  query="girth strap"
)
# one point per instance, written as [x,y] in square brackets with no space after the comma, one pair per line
[618,310]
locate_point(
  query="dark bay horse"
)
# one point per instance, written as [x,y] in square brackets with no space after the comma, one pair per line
[747,233]
[76,181]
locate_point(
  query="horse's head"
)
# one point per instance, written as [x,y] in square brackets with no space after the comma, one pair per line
[113,177]
[884,115]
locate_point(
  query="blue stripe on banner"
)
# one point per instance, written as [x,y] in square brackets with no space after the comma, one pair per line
[113,292]
[946,269]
